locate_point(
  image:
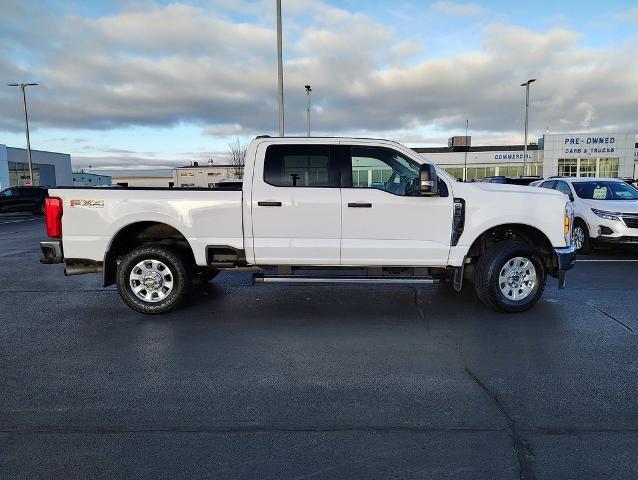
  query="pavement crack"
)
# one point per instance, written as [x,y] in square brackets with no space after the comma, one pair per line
[523,451]
[609,315]
[252,429]
[419,309]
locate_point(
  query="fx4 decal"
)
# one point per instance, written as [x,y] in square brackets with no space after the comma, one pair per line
[86,203]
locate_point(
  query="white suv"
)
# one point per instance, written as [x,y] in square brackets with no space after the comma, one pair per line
[605,210]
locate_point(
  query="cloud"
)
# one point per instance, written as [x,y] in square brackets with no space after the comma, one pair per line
[184,64]
[456,9]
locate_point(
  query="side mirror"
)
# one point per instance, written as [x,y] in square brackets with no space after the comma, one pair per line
[428,180]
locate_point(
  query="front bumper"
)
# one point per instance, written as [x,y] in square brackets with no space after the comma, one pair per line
[565,260]
[623,240]
[52,251]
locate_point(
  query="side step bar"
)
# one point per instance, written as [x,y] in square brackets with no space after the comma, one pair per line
[360,279]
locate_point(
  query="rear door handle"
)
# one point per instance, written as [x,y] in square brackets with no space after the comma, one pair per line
[269,204]
[359,205]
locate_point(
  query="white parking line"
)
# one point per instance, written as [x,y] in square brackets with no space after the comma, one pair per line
[19,221]
[610,260]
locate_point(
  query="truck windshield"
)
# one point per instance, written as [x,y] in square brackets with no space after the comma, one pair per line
[605,190]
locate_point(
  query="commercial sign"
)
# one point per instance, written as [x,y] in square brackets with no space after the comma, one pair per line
[511,156]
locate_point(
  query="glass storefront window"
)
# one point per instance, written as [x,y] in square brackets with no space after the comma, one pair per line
[587,167]
[608,168]
[19,173]
[535,169]
[511,171]
[567,167]
[455,172]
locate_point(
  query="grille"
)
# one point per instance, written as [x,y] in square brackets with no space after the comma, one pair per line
[630,221]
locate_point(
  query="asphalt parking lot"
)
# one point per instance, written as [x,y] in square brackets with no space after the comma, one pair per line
[314,382]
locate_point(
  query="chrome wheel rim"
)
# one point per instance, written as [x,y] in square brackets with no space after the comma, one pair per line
[151,281]
[579,237]
[517,278]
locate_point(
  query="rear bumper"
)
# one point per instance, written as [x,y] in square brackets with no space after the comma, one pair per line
[565,260]
[52,252]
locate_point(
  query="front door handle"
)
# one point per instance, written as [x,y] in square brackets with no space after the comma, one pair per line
[359,205]
[269,204]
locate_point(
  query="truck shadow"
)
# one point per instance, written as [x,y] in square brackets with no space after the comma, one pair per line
[434,307]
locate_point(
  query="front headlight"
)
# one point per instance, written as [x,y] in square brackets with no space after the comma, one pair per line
[568,223]
[607,215]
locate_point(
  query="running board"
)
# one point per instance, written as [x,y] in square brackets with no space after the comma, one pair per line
[361,279]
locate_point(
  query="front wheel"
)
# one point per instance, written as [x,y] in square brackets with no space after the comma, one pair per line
[153,279]
[510,276]
[582,241]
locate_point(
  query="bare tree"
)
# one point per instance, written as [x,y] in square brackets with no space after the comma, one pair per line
[237,156]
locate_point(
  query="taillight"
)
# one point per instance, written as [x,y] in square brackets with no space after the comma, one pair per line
[53,216]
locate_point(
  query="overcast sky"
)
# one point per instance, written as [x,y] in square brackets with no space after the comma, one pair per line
[146,83]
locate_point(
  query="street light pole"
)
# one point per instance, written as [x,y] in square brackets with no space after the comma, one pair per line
[526,85]
[26,123]
[308,90]
[280,72]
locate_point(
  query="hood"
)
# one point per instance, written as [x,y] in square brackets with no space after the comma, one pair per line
[506,188]
[622,206]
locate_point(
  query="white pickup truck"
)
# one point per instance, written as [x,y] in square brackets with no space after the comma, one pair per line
[317,210]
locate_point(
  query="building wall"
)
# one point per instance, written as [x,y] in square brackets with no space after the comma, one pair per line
[137,177]
[4,168]
[142,181]
[54,170]
[90,180]
[588,149]
[57,166]
[204,176]
[489,163]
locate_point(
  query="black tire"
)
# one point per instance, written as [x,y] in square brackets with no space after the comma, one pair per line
[180,276]
[585,244]
[39,212]
[493,262]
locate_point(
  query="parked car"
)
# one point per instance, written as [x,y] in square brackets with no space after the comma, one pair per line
[320,204]
[23,199]
[605,210]
[511,180]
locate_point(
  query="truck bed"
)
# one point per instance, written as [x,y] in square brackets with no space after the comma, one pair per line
[93,216]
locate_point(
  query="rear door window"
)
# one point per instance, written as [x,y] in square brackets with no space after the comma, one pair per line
[301,166]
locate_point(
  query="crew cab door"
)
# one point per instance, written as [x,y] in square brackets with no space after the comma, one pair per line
[385,220]
[296,204]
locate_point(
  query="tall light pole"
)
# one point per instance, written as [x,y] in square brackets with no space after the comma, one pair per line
[467,149]
[280,72]
[26,123]
[308,90]
[526,85]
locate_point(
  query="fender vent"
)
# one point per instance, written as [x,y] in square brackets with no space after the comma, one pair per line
[458,220]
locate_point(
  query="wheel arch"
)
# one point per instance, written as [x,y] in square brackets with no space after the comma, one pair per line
[516,231]
[137,233]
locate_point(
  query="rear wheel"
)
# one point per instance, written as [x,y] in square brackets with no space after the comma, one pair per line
[153,279]
[39,210]
[510,276]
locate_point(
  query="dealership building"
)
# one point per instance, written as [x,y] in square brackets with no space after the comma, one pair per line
[583,155]
[49,168]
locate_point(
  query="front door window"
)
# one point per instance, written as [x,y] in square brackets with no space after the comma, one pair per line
[384,169]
